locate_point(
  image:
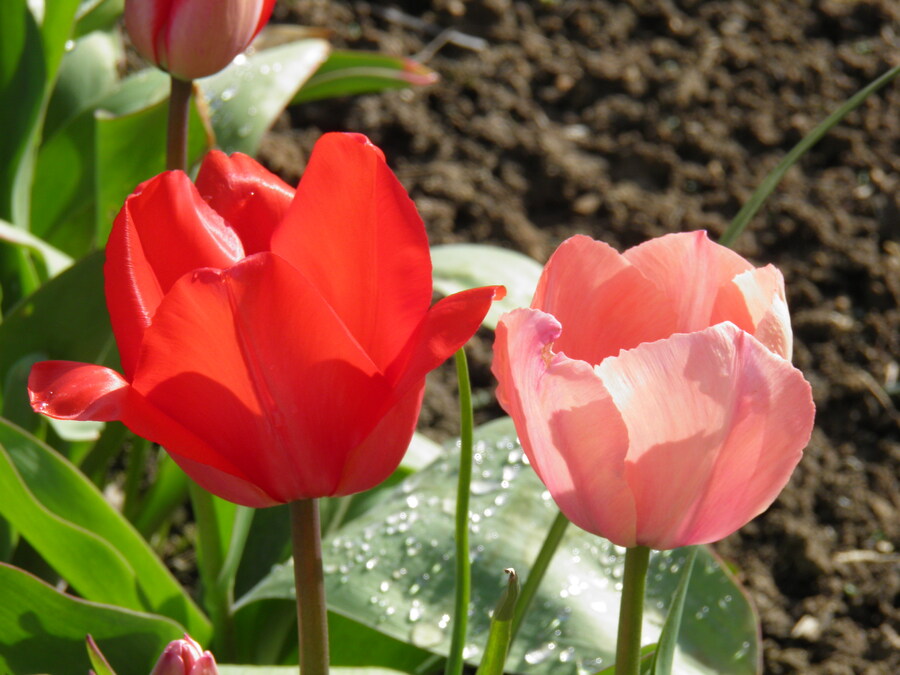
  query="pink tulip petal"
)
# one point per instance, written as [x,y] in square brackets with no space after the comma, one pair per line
[257,364]
[716,425]
[754,301]
[164,231]
[689,269]
[445,328]
[568,425]
[251,199]
[376,458]
[354,232]
[604,302]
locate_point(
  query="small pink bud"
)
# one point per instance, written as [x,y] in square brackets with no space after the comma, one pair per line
[194,38]
[185,657]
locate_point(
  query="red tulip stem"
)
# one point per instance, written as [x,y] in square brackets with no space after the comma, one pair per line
[312,623]
[179,109]
[631,611]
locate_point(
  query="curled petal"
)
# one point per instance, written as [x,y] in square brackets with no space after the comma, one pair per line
[604,302]
[568,425]
[445,328]
[164,231]
[716,424]
[251,199]
[67,390]
[689,270]
[354,232]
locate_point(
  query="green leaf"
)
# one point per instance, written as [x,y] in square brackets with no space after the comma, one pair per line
[97,15]
[663,659]
[391,568]
[346,73]
[131,148]
[292,670]
[43,630]
[98,660]
[90,544]
[88,72]
[494,658]
[458,267]
[247,97]
[54,260]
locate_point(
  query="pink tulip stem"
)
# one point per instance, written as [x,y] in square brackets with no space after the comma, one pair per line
[179,109]
[455,661]
[312,623]
[538,570]
[631,611]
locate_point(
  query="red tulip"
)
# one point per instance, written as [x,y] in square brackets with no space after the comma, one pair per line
[275,344]
[194,38]
[185,657]
[653,391]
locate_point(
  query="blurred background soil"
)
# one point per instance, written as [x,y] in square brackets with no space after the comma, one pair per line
[628,120]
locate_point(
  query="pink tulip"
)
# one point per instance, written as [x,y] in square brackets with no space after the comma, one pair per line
[194,38]
[185,657]
[653,391]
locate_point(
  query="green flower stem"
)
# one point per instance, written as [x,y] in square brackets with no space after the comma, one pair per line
[179,109]
[538,570]
[770,182]
[463,564]
[312,619]
[631,611]
[209,562]
[137,462]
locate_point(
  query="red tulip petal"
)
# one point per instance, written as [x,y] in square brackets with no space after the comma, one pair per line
[223,484]
[164,231]
[376,458]
[354,232]
[754,301]
[567,423]
[80,391]
[716,424]
[603,302]
[689,269]
[251,199]
[447,326]
[67,390]
[256,363]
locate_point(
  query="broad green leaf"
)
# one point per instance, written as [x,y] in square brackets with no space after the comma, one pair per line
[97,15]
[55,261]
[90,544]
[130,149]
[392,568]
[65,319]
[247,97]
[458,267]
[43,630]
[345,73]
[88,72]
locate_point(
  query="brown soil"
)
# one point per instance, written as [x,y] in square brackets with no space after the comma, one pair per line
[627,120]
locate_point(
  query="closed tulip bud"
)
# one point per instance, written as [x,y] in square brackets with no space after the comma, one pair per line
[653,391]
[194,38]
[185,657]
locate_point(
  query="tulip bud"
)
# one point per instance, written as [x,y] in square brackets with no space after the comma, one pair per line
[194,38]
[185,657]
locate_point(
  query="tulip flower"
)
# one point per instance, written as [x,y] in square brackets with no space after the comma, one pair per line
[194,38]
[185,657]
[653,391]
[275,343]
